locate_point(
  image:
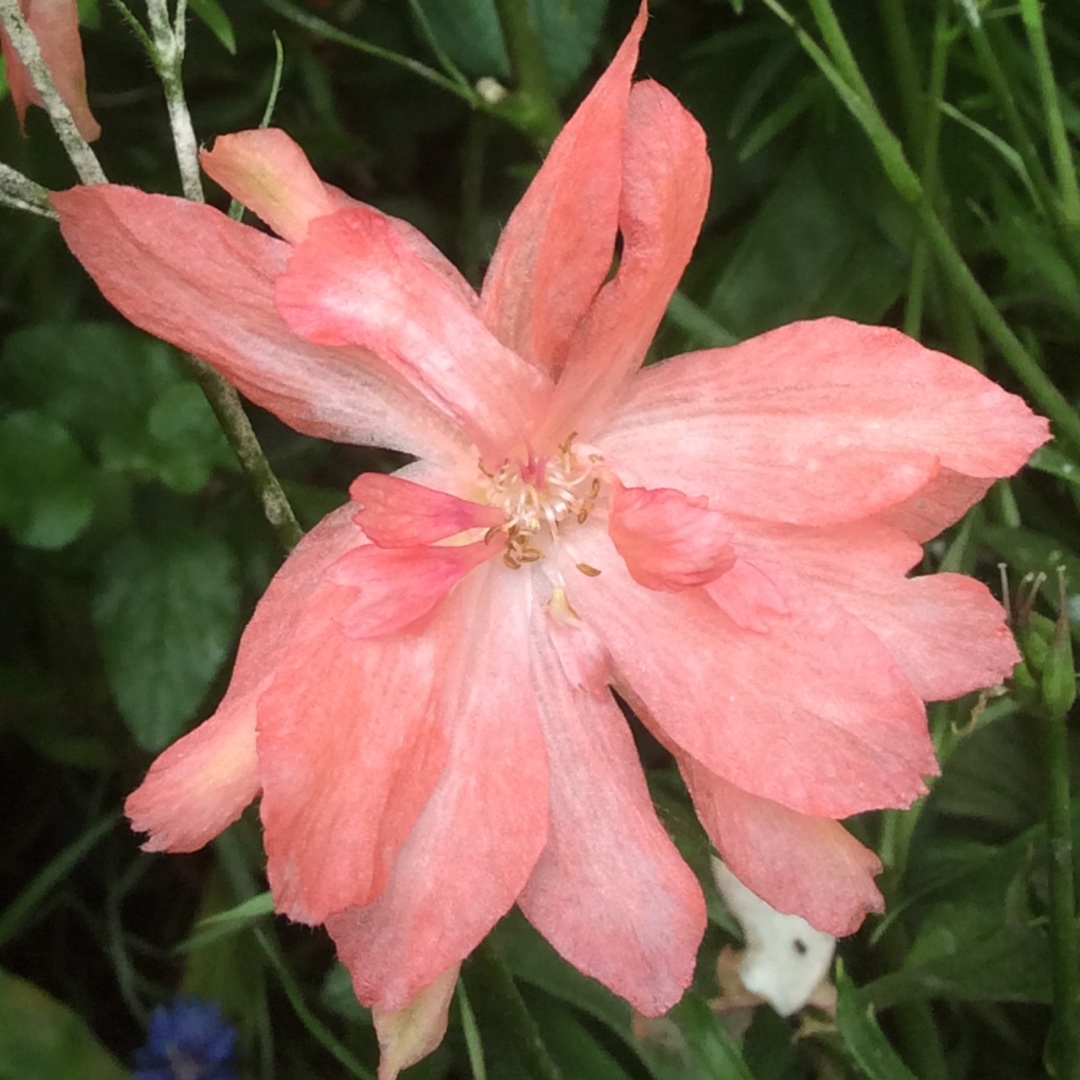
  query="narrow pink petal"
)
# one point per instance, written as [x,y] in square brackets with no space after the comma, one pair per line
[813,714]
[946,632]
[397,586]
[585,662]
[398,513]
[408,1035]
[668,540]
[349,751]
[558,245]
[199,785]
[747,596]
[666,176]
[808,866]
[610,890]
[202,783]
[479,836]
[817,422]
[190,275]
[271,175]
[355,281]
[55,24]
[268,172]
[937,505]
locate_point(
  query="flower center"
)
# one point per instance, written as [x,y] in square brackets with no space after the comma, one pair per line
[537,495]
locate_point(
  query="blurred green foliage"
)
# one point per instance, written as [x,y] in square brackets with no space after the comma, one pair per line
[131,551]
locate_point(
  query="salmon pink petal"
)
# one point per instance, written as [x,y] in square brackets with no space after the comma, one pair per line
[666,175]
[808,866]
[55,24]
[669,541]
[202,783]
[349,752]
[199,785]
[408,1035]
[479,836]
[946,632]
[610,890]
[398,513]
[817,422]
[397,586]
[747,597]
[220,306]
[585,662]
[268,172]
[937,505]
[355,281]
[558,245]
[814,714]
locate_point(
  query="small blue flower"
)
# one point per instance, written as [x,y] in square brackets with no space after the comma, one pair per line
[187,1040]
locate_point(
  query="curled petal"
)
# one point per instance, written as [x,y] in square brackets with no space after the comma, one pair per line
[666,175]
[55,24]
[200,784]
[817,422]
[481,832]
[355,281]
[610,890]
[409,1034]
[269,173]
[220,307]
[558,245]
[801,865]
[668,540]
[400,585]
[398,513]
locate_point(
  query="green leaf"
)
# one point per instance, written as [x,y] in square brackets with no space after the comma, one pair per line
[211,13]
[41,1039]
[46,483]
[121,392]
[862,1037]
[970,952]
[166,612]
[471,35]
[187,443]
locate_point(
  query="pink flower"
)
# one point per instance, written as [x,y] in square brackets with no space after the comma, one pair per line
[422,695]
[55,24]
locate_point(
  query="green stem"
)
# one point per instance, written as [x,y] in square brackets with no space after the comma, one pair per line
[487,967]
[929,134]
[530,68]
[1068,187]
[234,422]
[25,44]
[906,65]
[1065,1047]
[168,55]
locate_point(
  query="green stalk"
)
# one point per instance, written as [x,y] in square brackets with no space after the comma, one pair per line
[169,44]
[929,134]
[1065,1035]
[908,73]
[530,69]
[1065,173]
